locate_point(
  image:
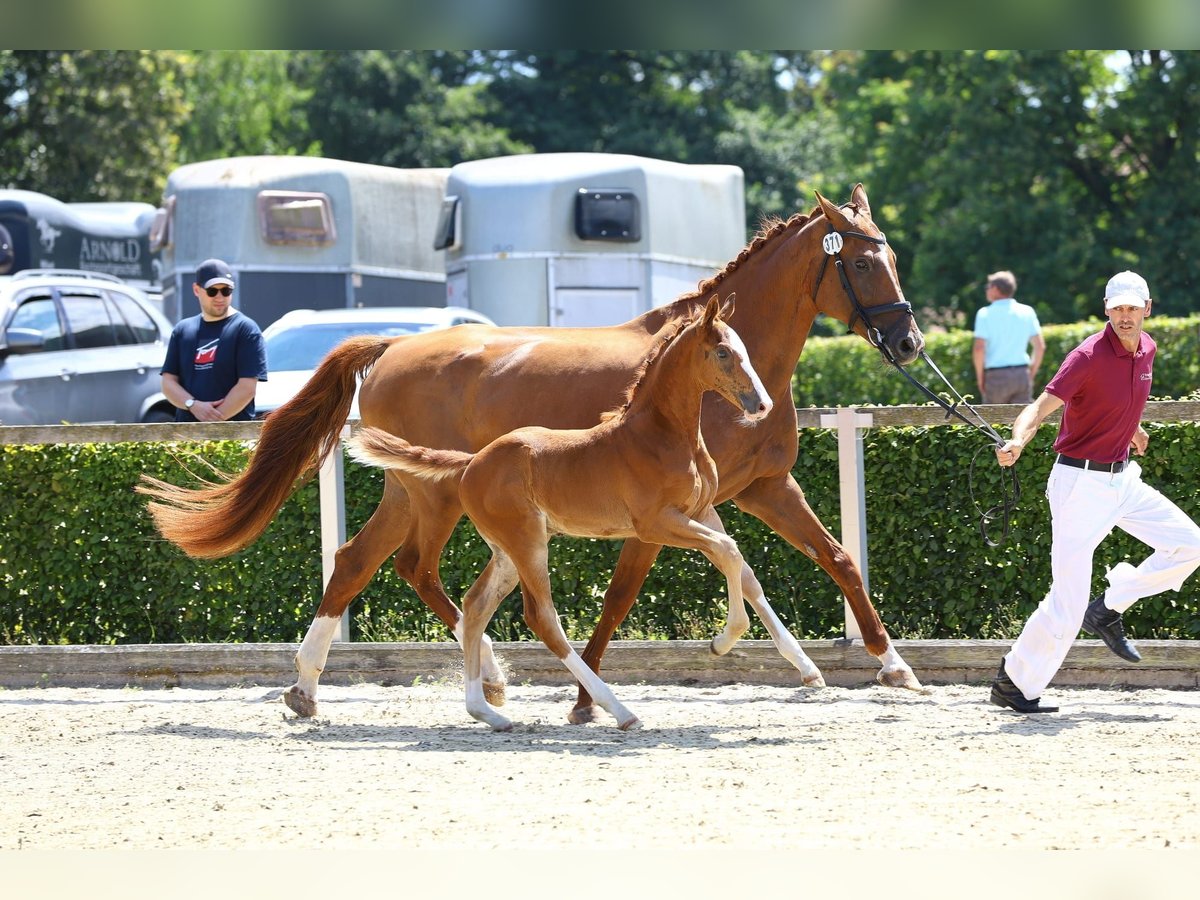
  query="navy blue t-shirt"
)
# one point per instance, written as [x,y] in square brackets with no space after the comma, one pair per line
[210,357]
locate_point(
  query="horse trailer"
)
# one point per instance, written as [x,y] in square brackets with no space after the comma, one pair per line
[40,232]
[577,239]
[303,232]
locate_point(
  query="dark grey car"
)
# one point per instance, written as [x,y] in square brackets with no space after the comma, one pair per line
[79,347]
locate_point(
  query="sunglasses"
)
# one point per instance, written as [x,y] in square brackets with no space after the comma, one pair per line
[223,291]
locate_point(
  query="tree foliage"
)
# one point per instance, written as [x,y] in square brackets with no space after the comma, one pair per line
[89,124]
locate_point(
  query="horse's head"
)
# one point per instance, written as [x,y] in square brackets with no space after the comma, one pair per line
[865,291]
[728,362]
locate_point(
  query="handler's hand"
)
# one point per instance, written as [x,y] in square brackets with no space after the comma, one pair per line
[1140,440]
[1008,454]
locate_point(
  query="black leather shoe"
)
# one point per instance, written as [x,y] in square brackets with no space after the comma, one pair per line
[1106,624]
[1007,694]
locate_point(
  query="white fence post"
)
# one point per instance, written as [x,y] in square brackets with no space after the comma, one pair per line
[851,425]
[332,486]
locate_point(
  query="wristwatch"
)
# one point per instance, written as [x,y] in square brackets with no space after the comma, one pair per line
[189,403]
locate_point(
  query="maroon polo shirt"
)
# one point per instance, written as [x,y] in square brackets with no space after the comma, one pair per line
[1105,388]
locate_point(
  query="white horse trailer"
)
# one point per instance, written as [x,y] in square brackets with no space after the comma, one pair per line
[303,232]
[578,239]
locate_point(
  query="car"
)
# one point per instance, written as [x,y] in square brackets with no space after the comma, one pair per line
[298,341]
[79,347]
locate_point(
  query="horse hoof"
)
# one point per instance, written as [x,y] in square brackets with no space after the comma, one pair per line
[493,692]
[300,703]
[814,681]
[633,724]
[507,726]
[899,677]
[582,715]
[717,651]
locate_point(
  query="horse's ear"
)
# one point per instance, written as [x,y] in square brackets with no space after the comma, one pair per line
[835,216]
[859,198]
[727,307]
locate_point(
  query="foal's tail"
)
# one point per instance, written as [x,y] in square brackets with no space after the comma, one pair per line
[228,514]
[376,447]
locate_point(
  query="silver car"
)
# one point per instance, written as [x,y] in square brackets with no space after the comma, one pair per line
[79,347]
[298,341]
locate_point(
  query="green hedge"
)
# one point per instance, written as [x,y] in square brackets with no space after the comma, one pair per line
[80,562]
[847,371]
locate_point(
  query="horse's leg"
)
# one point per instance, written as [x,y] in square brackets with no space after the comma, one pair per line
[355,563]
[543,621]
[630,573]
[436,511]
[779,502]
[495,583]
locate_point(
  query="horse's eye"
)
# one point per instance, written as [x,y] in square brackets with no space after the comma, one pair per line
[862,265]
[722,353]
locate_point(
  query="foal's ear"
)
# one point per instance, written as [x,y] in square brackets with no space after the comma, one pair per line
[712,310]
[833,214]
[727,307]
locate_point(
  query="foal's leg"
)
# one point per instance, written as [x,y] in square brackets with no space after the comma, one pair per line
[780,503]
[495,583]
[630,573]
[738,622]
[788,647]
[543,620]
[355,562]
[436,511]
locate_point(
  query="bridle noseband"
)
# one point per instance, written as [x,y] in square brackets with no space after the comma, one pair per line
[832,244]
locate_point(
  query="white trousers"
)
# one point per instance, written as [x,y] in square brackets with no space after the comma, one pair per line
[1085,506]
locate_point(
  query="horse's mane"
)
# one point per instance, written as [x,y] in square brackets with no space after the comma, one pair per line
[769,228]
[640,375]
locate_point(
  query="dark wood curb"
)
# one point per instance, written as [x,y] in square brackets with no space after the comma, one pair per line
[1165,664]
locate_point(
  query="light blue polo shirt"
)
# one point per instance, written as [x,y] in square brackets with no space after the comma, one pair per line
[1007,326]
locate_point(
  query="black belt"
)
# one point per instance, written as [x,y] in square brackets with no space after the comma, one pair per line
[1092,466]
[1002,368]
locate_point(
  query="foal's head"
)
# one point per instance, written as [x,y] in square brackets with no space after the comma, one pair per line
[725,363]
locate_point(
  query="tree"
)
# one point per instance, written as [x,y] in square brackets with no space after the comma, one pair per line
[242,103]
[89,124]
[409,109]
[1062,166]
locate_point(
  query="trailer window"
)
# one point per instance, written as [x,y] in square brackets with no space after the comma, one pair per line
[162,229]
[607,214]
[296,217]
[448,229]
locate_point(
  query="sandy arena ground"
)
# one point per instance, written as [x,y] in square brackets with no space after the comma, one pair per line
[737,766]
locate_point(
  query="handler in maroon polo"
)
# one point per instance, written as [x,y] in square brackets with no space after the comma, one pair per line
[1104,384]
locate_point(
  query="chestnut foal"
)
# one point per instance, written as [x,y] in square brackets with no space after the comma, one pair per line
[643,472]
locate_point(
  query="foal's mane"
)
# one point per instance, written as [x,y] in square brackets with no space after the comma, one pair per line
[651,358]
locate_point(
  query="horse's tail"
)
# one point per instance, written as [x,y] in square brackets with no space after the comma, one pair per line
[229,513]
[376,447]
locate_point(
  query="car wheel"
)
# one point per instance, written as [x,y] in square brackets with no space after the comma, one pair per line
[158,414]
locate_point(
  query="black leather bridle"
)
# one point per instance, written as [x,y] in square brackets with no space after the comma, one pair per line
[832,244]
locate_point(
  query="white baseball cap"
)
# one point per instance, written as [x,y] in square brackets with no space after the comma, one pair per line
[1126,289]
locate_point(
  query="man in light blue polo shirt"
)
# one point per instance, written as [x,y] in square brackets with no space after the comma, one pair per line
[1004,332]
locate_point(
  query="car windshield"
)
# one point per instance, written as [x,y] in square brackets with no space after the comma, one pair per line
[304,347]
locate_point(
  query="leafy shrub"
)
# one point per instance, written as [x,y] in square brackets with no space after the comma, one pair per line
[80,562]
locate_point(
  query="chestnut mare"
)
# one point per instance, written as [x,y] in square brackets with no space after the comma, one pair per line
[643,473]
[460,388]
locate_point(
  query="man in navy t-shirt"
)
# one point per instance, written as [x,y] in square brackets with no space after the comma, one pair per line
[216,359]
